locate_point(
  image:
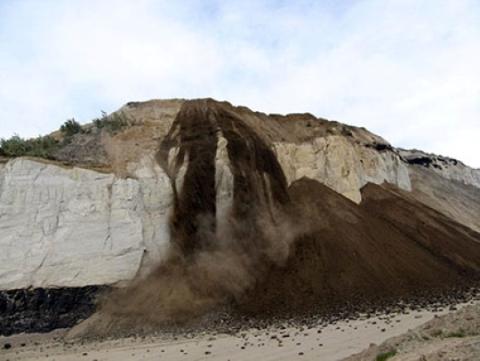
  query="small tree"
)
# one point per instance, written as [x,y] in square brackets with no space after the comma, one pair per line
[112,123]
[71,127]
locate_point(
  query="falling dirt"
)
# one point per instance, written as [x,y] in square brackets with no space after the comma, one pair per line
[209,264]
[278,249]
[259,184]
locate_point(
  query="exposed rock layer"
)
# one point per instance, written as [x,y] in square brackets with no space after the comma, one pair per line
[42,310]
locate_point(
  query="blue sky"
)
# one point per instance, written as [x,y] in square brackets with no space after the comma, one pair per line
[405,69]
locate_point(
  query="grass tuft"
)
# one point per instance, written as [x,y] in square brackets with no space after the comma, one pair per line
[459,334]
[386,355]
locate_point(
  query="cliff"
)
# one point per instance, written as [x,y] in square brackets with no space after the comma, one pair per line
[63,223]
[203,203]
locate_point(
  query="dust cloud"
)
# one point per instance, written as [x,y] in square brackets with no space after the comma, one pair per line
[214,258]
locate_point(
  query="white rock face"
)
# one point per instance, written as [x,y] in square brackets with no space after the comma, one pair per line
[2,167]
[67,227]
[223,179]
[341,165]
[157,199]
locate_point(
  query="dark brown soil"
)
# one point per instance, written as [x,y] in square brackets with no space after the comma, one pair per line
[385,248]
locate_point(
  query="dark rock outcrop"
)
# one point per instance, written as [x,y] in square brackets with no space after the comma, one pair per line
[43,310]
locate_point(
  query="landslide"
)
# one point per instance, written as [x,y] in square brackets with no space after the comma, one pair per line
[280,249]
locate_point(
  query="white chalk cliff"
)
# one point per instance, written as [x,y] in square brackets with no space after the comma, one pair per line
[67,226]
[72,226]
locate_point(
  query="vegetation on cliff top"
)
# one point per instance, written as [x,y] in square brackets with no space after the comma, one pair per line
[17,146]
[46,146]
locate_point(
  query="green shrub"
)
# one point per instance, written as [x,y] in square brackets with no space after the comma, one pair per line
[385,356]
[112,123]
[71,127]
[16,146]
[459,334]
[13,146]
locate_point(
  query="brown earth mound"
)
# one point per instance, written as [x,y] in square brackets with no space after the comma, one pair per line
[389,246]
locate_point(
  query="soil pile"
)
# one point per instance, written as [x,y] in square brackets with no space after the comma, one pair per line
[387,247]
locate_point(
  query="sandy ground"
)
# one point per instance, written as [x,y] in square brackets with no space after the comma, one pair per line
[451,337]
[333,342]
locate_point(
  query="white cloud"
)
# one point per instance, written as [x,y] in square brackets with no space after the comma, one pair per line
[406,70]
